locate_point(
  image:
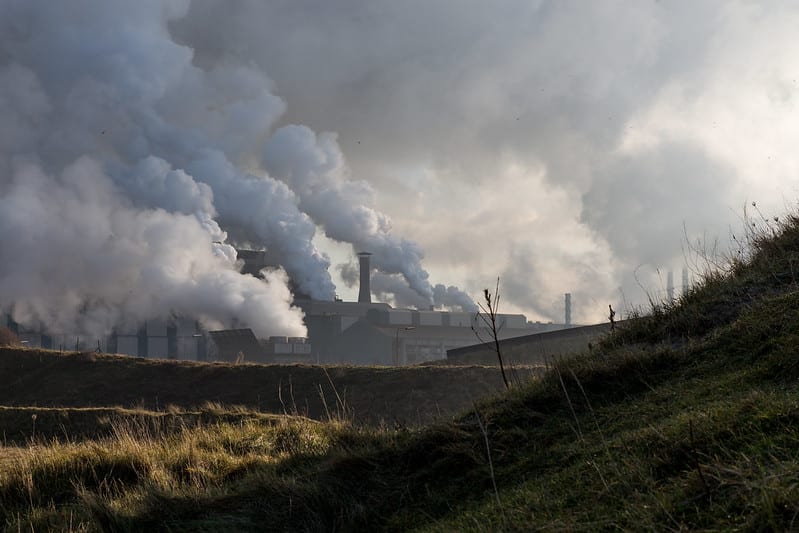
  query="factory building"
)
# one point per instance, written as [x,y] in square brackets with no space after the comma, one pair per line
[367,333]
[359,333]
[241,345]
[179,338]
[535,349]
[401,336]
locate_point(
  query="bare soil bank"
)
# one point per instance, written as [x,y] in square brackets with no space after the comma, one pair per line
[371,395]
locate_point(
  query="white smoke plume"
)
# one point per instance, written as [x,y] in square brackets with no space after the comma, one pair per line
[128,169]
[582,140]
[102,221]
[77,255]
[452,297]
[392,288]
[314,167]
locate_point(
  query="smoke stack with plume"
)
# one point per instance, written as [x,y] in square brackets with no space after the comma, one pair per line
[94,171]
[78,256]
[365,291]
[140,170]
[393,288]
[314,168]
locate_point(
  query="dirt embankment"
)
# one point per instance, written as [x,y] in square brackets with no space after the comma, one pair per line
[407,396]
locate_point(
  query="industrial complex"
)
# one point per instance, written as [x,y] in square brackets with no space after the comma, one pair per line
[357,333]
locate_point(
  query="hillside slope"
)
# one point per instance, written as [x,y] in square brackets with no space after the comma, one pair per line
[704,435]
[686,420]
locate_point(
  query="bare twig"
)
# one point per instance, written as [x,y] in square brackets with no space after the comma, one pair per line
[488,315]
[324,402]
[280,397]
[341,405]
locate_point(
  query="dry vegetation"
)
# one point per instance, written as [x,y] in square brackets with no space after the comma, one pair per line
[8,337]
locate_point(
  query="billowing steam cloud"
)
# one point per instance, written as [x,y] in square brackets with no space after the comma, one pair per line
[77,254]
[313,167]
[563,145]
[128,170]
[394,289]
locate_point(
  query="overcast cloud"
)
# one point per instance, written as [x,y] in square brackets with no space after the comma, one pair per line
[560,145]
[564,146]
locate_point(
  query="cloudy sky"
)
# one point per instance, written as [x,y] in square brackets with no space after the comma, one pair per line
[563,146]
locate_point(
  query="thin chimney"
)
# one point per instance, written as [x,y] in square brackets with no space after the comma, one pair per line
[568,296]
[365,292]
[670,286]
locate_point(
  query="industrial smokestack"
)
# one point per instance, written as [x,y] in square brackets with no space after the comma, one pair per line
[568,309]
[365,293]
[670,286]
[684,281]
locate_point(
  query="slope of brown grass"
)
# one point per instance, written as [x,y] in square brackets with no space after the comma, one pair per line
[24,426]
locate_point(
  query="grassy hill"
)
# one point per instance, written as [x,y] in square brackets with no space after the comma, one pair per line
[688,419]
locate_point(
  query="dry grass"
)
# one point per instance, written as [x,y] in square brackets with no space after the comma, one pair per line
[117,476]
[8,337]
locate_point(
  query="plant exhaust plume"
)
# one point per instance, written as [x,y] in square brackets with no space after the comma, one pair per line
[130,172]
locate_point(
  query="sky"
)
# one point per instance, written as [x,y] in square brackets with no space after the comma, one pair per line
[562,146]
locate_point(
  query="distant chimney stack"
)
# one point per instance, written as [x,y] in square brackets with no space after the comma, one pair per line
[684,281]
[568,296]
[670,286]
[365,292]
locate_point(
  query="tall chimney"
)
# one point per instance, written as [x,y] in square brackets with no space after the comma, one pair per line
[684,281]
[365,292]
[670,286]
[568,308]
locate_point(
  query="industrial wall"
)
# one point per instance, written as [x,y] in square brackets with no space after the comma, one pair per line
[530,349]
[375,333]
[179,338]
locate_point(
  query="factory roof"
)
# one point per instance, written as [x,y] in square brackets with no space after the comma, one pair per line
[230,342]
[319,307]
[444,332]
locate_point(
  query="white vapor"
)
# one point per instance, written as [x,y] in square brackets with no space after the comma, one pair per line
[129,170]
[77,254]
[563,145]
[313,166]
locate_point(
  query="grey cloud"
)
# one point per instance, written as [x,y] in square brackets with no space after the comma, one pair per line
[458,86]
[184,142]
[642,203]
[349,273]
[521,284]
[140,244]
[459,89]
[313,166]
